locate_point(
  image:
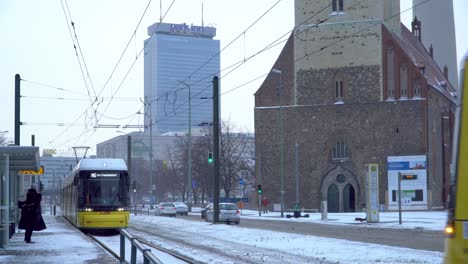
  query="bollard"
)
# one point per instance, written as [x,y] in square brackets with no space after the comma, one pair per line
[324,210]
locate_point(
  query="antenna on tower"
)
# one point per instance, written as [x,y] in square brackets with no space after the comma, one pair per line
[202,24]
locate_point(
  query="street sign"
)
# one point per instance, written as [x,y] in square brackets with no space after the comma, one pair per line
[31,172]
[241,181]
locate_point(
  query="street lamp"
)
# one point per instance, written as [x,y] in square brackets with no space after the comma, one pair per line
[281,141]
[189,147]
[150,116]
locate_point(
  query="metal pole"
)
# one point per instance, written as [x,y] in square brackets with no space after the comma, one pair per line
[17,109]
[281,141]
[189,147]
[399,197]
[297,172]
[129,155]
[216,150]
[260,205]
[189,154]
[151,152]
[282,151]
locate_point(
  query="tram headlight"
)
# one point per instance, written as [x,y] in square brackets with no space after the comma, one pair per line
[120,209]
[88,209]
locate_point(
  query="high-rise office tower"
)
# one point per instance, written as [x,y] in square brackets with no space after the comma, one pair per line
[438,31]
[179,59]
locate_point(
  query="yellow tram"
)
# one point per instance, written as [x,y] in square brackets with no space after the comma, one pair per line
[96,194]
[456,244]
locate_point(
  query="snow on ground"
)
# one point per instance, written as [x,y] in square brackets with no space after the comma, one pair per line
[58,237]
[334,250]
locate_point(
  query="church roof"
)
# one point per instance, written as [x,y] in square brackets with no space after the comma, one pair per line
[420,57]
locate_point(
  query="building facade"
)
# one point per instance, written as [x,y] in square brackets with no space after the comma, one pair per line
[180,59]
[353,87]
[55,170]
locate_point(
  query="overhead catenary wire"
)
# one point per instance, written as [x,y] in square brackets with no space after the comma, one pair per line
[76,54]
[321,49]
[343,39]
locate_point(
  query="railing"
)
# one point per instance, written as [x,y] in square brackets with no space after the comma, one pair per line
[148,257]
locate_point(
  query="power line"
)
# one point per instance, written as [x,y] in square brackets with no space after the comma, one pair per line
[126,47]
[76,54]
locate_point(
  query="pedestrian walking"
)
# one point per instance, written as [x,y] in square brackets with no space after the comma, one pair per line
[265,205]
[31,216]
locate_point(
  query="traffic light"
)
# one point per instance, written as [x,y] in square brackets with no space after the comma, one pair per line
[259,189]
[210,157]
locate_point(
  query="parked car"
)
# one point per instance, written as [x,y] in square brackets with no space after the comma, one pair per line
[181,208]
[203,210]
[166,209]
[228,212]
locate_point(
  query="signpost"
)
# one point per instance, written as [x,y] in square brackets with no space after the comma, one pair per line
[373,194]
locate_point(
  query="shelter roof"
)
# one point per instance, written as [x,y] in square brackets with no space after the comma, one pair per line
[21,157]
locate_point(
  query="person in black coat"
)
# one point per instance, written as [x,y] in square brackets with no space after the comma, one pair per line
[31,216]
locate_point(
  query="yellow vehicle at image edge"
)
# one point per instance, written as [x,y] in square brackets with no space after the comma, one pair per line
[456,244]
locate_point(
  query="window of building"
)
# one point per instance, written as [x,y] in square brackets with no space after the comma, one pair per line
[390,74]
[404,81]
[339,90]
[417,88]
[340,151]
[337,5]
[340,178]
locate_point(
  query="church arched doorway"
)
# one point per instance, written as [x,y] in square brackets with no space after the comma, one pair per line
[349,200]
[333,199]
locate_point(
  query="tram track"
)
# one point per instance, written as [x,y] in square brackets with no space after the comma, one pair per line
[204,247]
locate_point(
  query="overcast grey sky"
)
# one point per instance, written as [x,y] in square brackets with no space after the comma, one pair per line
[37,44]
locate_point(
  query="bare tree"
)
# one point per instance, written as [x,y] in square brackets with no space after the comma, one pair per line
[234,157]
[3,139]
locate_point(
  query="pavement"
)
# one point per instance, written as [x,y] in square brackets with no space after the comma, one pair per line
[59,243]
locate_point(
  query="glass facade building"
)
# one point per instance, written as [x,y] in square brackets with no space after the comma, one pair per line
[179,59]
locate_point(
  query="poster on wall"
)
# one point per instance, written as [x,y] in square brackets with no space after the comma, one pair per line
[413,171]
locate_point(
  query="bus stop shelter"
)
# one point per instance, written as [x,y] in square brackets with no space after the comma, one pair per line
[12,160]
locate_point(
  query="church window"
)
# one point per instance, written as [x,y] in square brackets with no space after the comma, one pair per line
[337,5]
[417,87]
[390,74]
[340,151]
[404,81]
[339,90]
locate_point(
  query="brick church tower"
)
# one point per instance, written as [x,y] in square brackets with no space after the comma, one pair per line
[352,87]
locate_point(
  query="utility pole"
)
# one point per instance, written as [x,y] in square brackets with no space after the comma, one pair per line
[281,140]
[216,149]
[17,109]
[150,116]
[297,172]
[129,155]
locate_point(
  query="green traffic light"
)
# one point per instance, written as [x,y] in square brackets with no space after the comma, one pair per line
[210,157]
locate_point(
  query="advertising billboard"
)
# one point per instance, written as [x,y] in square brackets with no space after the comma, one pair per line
[413,172]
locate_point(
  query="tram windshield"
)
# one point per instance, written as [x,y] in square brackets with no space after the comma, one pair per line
[103,189]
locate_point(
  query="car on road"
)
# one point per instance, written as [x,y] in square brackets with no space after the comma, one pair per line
[228,212]
[166,209]
[181,208]
[203,210]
